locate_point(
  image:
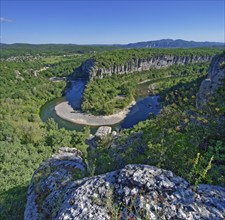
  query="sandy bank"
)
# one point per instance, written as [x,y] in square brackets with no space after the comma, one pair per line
[65,111]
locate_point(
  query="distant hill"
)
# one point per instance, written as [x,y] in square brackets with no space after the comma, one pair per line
[19,49]
[169,43]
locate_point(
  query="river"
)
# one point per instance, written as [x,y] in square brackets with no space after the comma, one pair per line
[139,112]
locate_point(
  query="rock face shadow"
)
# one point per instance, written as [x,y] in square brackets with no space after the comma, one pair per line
[74,95]
[141,110]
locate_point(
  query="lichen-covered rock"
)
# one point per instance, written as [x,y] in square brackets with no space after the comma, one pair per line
[92,70]
[49,179]
[209,86]
[136,191]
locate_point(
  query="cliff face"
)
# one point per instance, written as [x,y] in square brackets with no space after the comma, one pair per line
[209,86]
[92,69]
[129,193]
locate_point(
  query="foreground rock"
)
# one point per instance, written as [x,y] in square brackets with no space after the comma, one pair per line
[49,179]
[215,79]
[136,191]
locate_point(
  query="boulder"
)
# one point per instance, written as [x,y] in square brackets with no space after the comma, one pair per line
[114,133]
[103,131]
[49,179]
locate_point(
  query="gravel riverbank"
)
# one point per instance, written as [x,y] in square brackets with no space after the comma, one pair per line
[66,112]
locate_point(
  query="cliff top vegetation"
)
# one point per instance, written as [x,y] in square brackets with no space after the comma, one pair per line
[118,57]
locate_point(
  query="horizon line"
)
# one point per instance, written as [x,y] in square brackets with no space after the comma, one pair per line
[113,44]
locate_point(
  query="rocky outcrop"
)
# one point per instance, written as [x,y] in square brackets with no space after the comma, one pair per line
[134,192]
[18,75]
[216,76]
[44,194]
[103,131]
[91,69]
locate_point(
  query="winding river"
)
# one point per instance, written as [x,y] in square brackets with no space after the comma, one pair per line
[139,112]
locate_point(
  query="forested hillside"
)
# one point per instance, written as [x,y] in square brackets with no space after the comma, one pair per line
[186,140]
[182,138]
[25,141]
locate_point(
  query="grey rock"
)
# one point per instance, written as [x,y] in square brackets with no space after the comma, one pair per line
[18,75]
[114,133]
[132,192]
[214,80]
[103,131]
[92,70]
[57,79]
[51,178]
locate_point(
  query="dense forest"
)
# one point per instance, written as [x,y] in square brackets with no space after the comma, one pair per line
[8,50]
[24,140]
[183,139]
[118,57]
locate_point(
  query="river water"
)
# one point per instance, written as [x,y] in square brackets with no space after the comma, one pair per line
[139,112]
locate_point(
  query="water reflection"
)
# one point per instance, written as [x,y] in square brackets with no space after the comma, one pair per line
[74,94]
[140,111]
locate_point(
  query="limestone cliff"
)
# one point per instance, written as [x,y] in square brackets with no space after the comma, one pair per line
[215,78]
[134,192]
[92,69]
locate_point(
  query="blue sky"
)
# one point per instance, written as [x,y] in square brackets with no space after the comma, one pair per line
[109,22]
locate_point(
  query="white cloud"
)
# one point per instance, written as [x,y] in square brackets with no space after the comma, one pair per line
[6,20]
